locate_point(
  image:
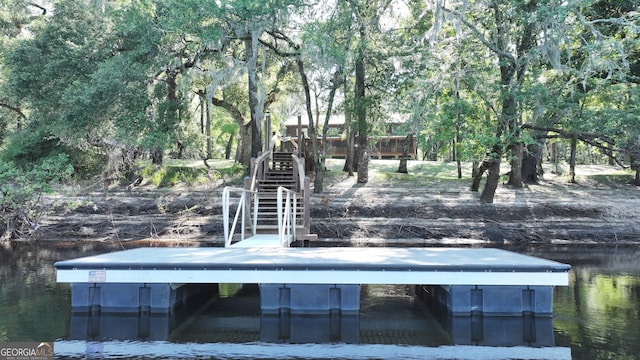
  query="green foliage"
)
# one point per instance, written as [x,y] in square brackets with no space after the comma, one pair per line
[21,192]
[26,148]
[164,176]
[183,172]
[125,72]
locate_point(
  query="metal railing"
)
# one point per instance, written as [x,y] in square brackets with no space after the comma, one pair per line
[240,214]
[286,216]
[286,209]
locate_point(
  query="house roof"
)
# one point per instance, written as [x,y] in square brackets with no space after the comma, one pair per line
[338,119]
[335,119]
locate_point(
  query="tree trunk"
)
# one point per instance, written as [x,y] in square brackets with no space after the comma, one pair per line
[361,112]
[458,141]
[477,173]
[634,160]
[207,130]
[474,168]
[203,100]
[531,162]
[572,161]
[256,112]
[609,153]
[491,164]
[157,156]
[363,159]
[515,177]
[243,155]
[336,82]
[314,159]
[493,177]
[349,162]
[227,149]
[406,144]
[349,139]
[402,167]
[168,117]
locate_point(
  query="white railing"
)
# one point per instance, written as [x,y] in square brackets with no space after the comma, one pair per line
[286,213]
[241,213]
[286,216]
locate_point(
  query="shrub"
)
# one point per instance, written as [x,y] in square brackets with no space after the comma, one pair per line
[26,148]
[21,194]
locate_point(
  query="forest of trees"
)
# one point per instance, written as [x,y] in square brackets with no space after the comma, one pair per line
[87,87]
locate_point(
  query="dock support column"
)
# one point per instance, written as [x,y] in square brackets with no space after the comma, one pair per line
[137,298]
[309,298]
[490,299]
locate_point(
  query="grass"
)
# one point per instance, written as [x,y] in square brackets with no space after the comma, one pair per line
[385,172]
[622,177]
[381,172]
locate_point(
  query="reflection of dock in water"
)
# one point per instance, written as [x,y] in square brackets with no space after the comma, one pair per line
[392,320]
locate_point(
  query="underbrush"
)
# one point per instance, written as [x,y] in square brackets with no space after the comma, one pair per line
[191,173]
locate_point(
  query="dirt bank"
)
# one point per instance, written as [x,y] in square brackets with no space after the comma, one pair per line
[385,212]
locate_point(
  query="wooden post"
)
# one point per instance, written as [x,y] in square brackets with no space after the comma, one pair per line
[267,131]
[300,154]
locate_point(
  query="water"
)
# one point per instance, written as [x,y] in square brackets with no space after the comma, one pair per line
[596,317]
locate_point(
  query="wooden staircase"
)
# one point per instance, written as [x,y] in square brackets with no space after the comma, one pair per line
[272,210]
[281,172]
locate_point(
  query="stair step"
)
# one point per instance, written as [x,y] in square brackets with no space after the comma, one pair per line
[278,176]
[276,181]
[273,229]
[272,195]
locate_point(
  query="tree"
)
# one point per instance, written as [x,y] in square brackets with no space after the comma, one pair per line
[514,30]
[516,27]
[326,44]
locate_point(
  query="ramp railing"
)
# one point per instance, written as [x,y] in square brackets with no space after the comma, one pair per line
[286,216]
[241,213]
[246,214]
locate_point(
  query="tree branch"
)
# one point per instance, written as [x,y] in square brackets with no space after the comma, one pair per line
[277,35]
[44,10]
[14,109]
[482,38]
[588,138]
[235,113]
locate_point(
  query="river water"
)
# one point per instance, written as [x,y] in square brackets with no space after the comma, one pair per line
[596,317]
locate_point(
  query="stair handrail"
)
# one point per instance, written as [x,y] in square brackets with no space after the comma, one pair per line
[286,212]
[303,188]
[240,212]
[258,169]
[298,168]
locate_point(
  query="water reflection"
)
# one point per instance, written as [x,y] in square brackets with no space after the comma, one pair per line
[391,315]
[165,350]
[526,330]
[100,327]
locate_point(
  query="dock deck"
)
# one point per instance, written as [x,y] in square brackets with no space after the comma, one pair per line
[450,266]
